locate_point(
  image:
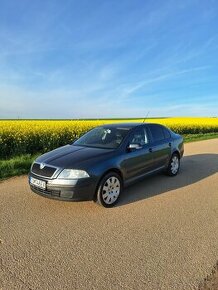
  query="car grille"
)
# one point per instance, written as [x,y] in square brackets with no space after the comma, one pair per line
[45,191]
[46,171]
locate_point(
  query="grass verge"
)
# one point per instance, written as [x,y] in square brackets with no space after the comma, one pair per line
[16,166]
[21,164]
[199,137]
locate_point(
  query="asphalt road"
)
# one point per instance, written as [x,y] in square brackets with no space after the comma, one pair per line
[162,235]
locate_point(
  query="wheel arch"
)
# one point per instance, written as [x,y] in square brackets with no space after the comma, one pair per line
[176,151]
[116,170]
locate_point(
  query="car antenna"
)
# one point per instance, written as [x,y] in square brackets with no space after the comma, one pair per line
[146,116]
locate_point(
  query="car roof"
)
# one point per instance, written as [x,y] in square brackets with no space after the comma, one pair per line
[125,125]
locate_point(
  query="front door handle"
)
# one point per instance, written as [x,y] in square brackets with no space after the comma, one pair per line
[150,149]
[170,144]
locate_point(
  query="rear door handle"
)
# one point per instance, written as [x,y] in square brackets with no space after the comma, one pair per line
[170,144]
[150,149]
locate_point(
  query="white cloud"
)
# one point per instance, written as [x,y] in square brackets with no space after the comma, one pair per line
[17,102]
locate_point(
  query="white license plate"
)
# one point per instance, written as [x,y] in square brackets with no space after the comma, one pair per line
[38,183]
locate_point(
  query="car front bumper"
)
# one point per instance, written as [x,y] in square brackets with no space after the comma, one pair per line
[68,190]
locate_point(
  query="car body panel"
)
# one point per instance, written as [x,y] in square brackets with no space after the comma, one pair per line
[69,155]
[160,153]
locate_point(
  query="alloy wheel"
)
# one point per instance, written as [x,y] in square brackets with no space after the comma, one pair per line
[174,164]
[111,190]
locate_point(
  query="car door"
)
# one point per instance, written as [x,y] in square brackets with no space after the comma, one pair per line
[137,162]
[160,145]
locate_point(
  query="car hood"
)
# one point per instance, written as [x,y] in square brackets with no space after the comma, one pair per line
[70,155]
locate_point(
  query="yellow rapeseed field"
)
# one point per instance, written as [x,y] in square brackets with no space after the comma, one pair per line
[31,136]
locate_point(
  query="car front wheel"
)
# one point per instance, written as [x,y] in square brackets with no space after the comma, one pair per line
[109,189]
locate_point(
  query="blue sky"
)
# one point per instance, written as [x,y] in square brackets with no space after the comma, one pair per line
[96,59]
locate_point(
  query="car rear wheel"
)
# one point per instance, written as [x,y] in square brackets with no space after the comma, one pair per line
[174,165]
[109,189]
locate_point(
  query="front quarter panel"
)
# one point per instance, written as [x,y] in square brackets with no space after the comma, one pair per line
[98,167]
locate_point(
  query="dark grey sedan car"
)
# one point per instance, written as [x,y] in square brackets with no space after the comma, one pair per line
[98,165]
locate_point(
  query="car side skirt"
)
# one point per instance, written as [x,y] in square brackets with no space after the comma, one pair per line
[134,179]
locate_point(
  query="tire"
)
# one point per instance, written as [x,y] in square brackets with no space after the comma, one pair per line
[109,189]
[174,165]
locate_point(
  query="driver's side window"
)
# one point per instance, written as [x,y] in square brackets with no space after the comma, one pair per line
[139,136]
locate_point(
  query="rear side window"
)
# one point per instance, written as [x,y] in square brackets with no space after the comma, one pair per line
[166,133]
[156,132]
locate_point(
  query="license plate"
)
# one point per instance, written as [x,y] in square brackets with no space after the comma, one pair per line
[38,183]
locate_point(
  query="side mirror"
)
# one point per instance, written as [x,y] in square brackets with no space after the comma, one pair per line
[133,147]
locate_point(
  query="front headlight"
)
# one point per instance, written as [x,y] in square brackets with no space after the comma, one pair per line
[73,174]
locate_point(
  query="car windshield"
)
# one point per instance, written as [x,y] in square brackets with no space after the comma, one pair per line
[103,137]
